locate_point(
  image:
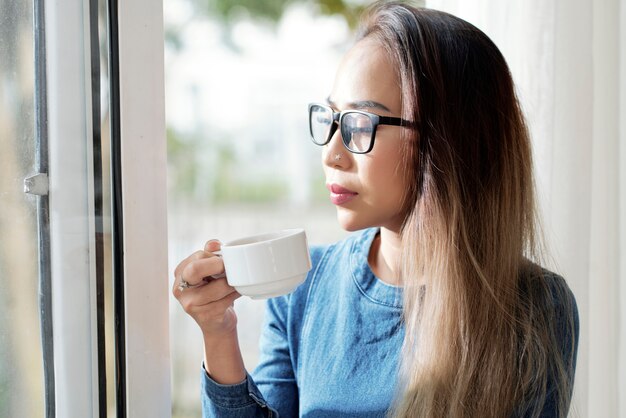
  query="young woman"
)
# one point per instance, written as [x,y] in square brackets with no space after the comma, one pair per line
[438,306]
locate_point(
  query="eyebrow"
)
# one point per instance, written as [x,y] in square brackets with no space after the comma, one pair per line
[361,104]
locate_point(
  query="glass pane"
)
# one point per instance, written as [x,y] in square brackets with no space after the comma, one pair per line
[21,371]
[238,83]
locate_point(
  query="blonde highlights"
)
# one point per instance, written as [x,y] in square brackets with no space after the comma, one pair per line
[482,335]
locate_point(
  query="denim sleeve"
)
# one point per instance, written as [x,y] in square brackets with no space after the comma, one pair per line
[241,400]
[274,374]
[271,389]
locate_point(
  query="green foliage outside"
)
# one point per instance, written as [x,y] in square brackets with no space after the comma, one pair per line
[269,12]
[224,187]
[272,10]
[179,153]
[228,189]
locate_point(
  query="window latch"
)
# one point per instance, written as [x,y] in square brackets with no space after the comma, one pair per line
[36,184]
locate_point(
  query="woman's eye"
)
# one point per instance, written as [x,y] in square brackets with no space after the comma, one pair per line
[325,121]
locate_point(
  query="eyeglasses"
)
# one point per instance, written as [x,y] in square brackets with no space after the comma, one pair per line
[358,128]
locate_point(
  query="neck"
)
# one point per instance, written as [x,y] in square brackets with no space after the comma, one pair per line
[384,256]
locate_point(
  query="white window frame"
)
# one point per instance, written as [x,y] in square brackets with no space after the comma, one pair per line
[143,153]
[144,165]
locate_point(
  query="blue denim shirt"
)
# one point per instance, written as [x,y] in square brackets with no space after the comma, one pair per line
[329,349]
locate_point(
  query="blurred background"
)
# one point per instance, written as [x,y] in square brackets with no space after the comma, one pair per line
[239,77]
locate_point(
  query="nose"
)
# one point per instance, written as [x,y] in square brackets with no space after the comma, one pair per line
[335,154]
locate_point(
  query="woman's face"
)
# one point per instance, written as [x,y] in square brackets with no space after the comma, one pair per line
[367,189]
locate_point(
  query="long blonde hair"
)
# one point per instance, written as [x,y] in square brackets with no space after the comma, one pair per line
[482,326]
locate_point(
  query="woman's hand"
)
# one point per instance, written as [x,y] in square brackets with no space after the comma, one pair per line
[208,301]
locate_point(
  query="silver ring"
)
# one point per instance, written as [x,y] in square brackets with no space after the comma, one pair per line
[337,157]
[184,284]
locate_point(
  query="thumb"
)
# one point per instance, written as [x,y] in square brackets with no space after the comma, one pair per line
[212,245]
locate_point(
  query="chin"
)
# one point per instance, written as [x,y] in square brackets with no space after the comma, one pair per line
[354,221]
[351,221]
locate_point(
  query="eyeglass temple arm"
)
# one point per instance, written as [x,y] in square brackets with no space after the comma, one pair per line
[388,120]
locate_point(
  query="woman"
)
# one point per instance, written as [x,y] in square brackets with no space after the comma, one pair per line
[433,309]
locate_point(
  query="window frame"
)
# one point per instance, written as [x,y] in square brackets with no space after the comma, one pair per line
[139,209]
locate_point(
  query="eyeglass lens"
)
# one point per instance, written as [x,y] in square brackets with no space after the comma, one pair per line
[321,122]
[356,128]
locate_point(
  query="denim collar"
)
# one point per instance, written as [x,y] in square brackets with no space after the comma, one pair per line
[371,286]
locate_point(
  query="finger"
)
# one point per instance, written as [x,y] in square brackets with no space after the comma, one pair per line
[214,290]
[194,256]
[178,276]
[218,307]
[212,245]
[195,271]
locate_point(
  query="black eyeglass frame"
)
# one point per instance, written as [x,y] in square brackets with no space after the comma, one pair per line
[338,118]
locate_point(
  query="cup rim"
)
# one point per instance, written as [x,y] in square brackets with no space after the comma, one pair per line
[284,233]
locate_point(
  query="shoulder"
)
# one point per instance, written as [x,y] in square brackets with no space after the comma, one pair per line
[551,290]
[550,297]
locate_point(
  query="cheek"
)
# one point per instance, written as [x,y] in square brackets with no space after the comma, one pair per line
[385,180]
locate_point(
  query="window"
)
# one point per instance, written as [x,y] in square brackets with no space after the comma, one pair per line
[21,371]
[79,219]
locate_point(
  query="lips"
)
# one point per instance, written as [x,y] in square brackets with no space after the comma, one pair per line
[340,195]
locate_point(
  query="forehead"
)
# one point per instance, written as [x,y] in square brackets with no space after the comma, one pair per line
[366,73]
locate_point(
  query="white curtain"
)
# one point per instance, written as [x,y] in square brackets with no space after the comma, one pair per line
[568,61]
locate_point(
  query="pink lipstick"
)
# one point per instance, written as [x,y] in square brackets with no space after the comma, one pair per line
[339,195]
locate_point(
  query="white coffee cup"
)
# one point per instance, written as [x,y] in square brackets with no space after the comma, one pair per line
[267,265]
